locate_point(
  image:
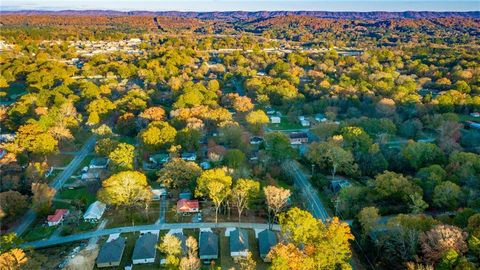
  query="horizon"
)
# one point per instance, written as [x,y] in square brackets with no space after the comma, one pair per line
[247,6]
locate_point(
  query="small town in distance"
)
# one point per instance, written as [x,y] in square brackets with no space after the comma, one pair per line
[288,140]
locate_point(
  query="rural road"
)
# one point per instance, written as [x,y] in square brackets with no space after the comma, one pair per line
[57,183]
[162,226]
[316,206]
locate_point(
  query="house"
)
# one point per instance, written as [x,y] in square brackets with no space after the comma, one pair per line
[90,176]
[99,163]
[305,123]
[187,195]
[158,193]
[145,249]
[57,218]
[275,120]
[94,212]
[475,114]
[205,165]
[189,156]
[266,240]
[337,185]
[159,159]
[7,137]
[187,206]
[298,137]
[239,243]
[320,117]
[472,124]
[208,246]
[256,140]
[111,253]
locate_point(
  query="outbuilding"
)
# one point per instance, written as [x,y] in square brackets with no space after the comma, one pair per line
[57,218]
[94,212]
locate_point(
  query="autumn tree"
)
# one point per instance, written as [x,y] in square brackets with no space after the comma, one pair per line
[13,259]
[441,238]
[368,219]
[127,188]
[256,120]
[153,114]
[216,185]
[42,197]
[244,191]
[105,146]
[247,262]
[330,156]
[234,158]
[158,135]
[172,247]
[191,261]
[178,173]
[277,199]
[446,195]
[34,139]
[13,203]
[123,156]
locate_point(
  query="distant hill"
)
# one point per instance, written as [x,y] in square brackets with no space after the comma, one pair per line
[242,15]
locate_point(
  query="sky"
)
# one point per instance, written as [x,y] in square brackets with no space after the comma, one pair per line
[245,5]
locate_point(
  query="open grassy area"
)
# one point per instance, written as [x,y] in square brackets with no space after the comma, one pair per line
[59,160]
[39,231]
[78,194]
[285,124]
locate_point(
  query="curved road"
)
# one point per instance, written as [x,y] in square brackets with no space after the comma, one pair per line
[57,183]
[163,226]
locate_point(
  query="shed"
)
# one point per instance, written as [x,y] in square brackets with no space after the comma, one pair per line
[239,243]
[145,249]
[208,246]
[266,240]
[95,211]
[275,120]
[111,253]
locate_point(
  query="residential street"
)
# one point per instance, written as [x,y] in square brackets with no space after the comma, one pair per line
[58,182]
[163,226]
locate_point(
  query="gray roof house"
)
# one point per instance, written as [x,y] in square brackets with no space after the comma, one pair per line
[111,253]
[145,249]
[239,243]
[208,243]
[266,240]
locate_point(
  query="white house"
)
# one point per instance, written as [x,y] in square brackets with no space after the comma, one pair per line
[95,211]
[158,193]
[57,218]
[275,120]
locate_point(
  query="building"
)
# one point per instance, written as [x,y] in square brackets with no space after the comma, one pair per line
[111,253]
[94,212]
[320,117]
[208,246]
[475,114]
[158,193]
[305,123]
[159,159]
[187,206]
[189,156]
[275,120]
[99,163]
[186,195]
[256,140]
[472,124]
[266,240]
[239,243]
[90,176]
[145,249]
[337,185]
[298,137]
[57,218]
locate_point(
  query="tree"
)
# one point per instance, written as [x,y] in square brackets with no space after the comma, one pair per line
[127,124]
[421,154]
[355,139]
[368,219]
[13,203]
[448,136]
[215,184]
[153,114]
[392,188]
[247,262]
[277,198]
[127,188]
[105,146]
[312,244]
[13,259]
[256,120]
[122,157]
[172,247]
[189,139]
[278,146]
[158,135]
[34,139]
[325,130]
[441,238]
[242,104]
[178,173]
[42,198]
[446,195]
[191,261]
[386,107]
[330,156]
[244,191]
[234,158]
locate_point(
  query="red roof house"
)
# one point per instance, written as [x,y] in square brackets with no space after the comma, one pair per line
[187,206]
[56,218]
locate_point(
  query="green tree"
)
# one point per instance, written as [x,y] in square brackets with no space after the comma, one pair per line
[178,173]
[123,156]
[421,154]
[446,195]
[244,191]
[330,156]
[368,219]
[278,146]
[215,184]
[392,188]
[158,135]
[13,203]
[189,139]
[234,158]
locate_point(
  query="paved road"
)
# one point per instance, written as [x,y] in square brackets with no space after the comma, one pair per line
[316,206]
[163,226]
[57,183]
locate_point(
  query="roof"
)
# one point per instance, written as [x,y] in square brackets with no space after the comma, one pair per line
[95,210]
[159,158]
[103,161]
[57,216]
[297,135]
[208,244]
[189,155]
[238,240]
[111,251]
[185,195]
[266,240]
[185,205]
[145,247]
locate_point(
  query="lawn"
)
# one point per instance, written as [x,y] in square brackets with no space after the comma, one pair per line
[285,124]
[125,217]
[40,231]
[78,194]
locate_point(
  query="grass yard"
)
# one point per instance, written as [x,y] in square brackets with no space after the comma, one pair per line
[285,124]
[123,217]
[39,232]
[78,194]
